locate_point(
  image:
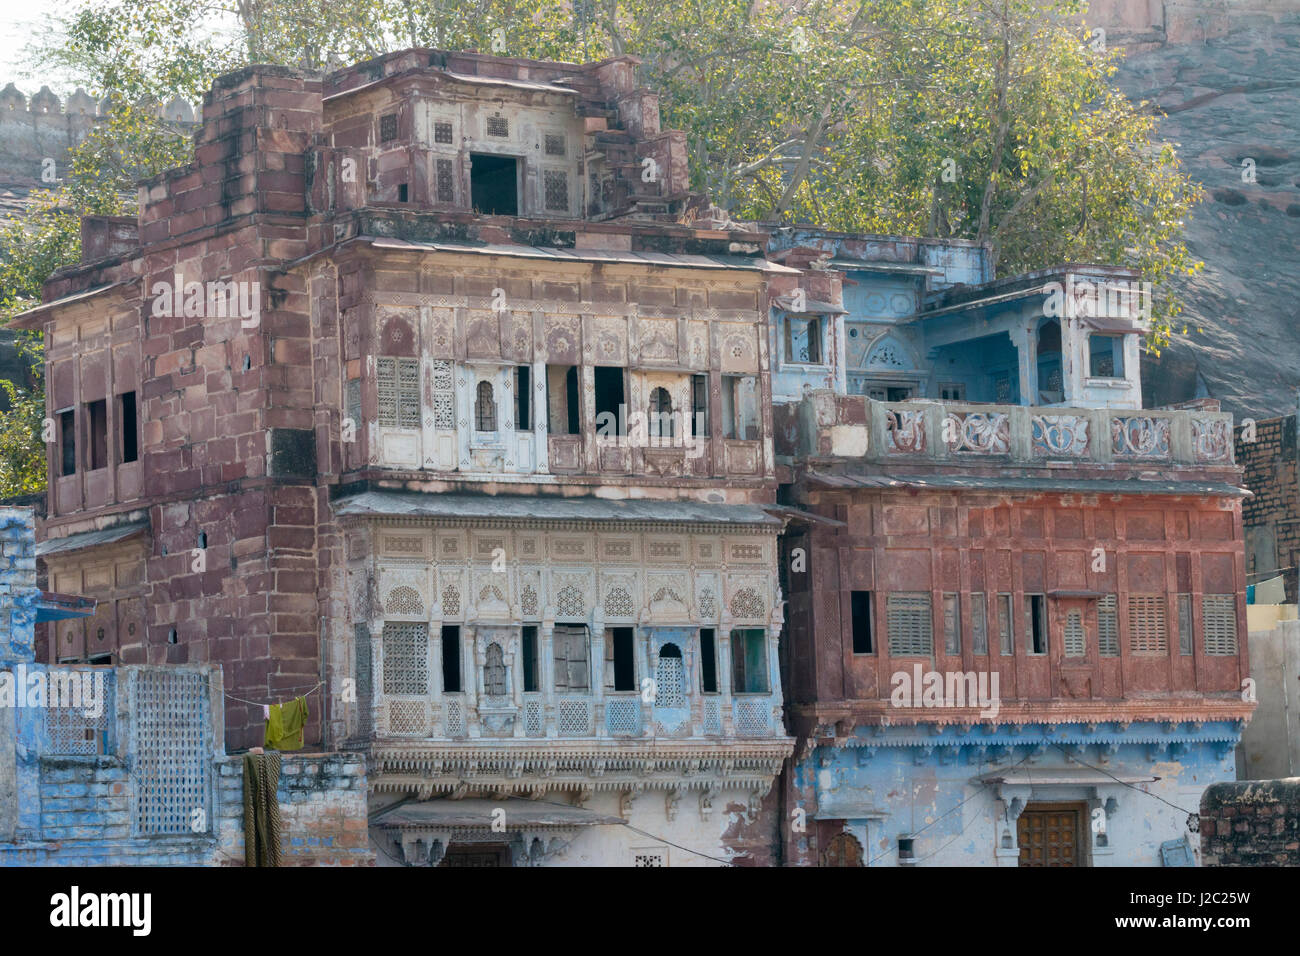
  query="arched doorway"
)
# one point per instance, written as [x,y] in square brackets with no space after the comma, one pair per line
[842,850]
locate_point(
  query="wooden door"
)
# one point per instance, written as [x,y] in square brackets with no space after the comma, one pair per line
[469,854]
[1051,834]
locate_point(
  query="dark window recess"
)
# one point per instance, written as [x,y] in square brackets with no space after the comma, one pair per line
[498,126]
[97,437]
[749,661]
[446,181]
[571,400]
[1036,626]
[700,406]
[68,442]
[623,649]
[129,427]
[952,392]
[708,662]
[529,641]
[523,390]
[494,184]
[562,389]
[442,132]
[402,193]
[388,128]
[554,144]
[860,605]
[555,188]
[450,659]
[609,392]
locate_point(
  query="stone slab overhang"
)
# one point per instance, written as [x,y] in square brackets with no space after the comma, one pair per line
[514,509]
[1062,777]
[474,813]
[36,316]
[612,764]
[52,606]
[1057,483]
[598,256]
[90,539]
[1213,718]
[810,306]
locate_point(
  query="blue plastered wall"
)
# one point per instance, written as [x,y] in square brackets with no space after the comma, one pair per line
[958,793]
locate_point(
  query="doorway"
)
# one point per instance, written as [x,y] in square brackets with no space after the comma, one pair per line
[494,184]
[1051,834]
[476,854]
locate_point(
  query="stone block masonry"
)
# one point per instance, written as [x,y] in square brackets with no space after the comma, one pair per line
[1272,516]
[1251,823]
[322,811]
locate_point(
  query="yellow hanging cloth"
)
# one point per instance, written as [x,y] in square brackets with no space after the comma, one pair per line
[285,723]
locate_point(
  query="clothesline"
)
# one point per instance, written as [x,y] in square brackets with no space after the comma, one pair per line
[258,703]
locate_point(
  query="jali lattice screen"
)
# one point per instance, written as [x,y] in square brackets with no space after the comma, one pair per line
[170,741]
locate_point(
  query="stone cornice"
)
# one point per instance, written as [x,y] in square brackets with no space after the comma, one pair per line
[611,765]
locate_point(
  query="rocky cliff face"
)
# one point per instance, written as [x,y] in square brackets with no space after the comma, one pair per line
[1227,78]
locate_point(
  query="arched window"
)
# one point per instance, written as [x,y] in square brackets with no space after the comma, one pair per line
[661,414]
[494,672]
[669,679]
[485,409]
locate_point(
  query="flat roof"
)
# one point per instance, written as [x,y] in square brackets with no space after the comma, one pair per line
[1046,483]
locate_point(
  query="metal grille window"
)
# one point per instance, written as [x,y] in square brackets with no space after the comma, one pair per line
[498,126]
[1107,627]
[1005,636]
[554,144]
[406,657]
[442,133]
[1147,632]
[951,624]
[1076,643]
[979,623]
[911,630]
[388,128]
[1219,624]
[171,746]
[556,188]
[1184,624]
[399,392]
[485,409]
[446,181]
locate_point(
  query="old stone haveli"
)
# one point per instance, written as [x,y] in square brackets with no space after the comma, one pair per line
[431,381]
[1016,597]
[431,391]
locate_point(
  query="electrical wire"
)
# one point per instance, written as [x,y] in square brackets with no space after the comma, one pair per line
[958,806]
[1125,783]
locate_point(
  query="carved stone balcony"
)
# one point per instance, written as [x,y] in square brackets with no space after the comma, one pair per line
[918,432]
